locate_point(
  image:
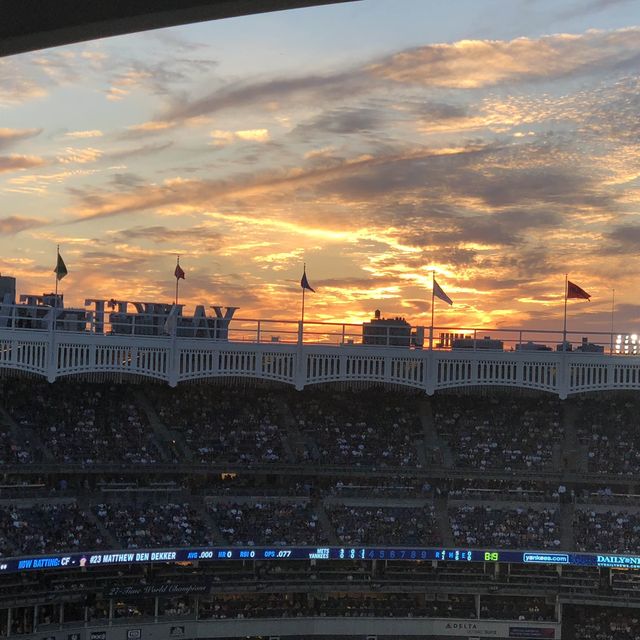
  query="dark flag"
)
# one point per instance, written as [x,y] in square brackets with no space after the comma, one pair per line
[179,272]
[61,268]
[304,283]
[439,293]
[574,291]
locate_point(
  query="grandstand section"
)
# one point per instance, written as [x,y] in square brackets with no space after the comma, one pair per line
[133,507]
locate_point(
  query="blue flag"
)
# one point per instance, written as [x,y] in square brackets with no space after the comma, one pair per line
[304,283]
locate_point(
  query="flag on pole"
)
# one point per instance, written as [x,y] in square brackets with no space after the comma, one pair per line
[61,268]
[574,291]
[439,293]
[179,272]
[304,283]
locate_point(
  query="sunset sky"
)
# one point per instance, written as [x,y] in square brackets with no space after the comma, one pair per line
[495,141]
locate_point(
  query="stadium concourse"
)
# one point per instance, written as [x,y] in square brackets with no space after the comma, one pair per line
[225,510]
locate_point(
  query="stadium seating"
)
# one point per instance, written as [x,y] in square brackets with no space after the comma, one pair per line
[105,466]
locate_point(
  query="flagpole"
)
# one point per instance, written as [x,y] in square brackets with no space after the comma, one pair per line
[433,297]
[304,270]
[177,281]
[564,328]
[56,272]
[613,302]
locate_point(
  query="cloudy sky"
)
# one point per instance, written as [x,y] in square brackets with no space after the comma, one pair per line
[495,141]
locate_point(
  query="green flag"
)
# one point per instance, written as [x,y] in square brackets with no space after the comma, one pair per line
[61,268]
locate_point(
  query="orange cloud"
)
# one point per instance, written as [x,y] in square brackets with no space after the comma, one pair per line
[73,155]
[471,64]
[92,133]
[18,162]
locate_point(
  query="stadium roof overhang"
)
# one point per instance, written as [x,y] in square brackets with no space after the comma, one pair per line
[26,25]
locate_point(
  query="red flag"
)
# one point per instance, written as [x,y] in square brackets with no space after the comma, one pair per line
[574,291]
[179,272]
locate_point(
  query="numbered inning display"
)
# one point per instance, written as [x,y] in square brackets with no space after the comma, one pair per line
[101,559]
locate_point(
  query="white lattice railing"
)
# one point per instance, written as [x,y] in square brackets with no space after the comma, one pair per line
[174,360]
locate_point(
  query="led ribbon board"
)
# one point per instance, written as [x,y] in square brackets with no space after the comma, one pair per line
[115,558]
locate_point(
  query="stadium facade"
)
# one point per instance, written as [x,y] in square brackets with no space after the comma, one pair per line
[154,340]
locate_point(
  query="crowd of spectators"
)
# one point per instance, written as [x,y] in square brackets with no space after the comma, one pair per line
[55,526]
[600,623]
[82,423]
[616,531]
[510,608]
[46,528]
[79,422]
[519,528]
[223,424]
[499,432]
[609,428]
[273,523]
[11,450]
[154,525]
[278,605]
[385,525]
[366,428]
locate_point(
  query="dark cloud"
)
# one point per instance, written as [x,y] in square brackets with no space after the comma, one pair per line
[424,170]
[100,204]
[143,150]
[127,180]
[14,224]
[198,234]
[583,8]
[624,239]
[12,136]
[555,185]
[342,122]
[529,262]
[16,162]
[506,228]
[357,283]
[496,176]
[314,88]
[436,111]
[238,290]
[117,263]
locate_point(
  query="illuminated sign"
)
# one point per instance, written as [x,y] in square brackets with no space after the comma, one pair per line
[191,555]
[618,561]
[546,558]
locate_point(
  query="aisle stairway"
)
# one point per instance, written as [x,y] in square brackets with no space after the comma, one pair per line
[209,521]
[574,454]
[293,440]
[88,507]
[437,451]
[166,439]
[567,514]
[324,522]
[442,517]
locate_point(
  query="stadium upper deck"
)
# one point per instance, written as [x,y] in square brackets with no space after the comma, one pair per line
[158,342]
